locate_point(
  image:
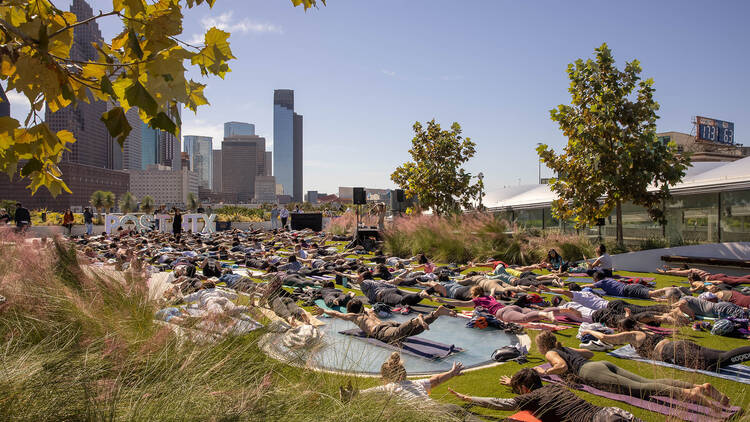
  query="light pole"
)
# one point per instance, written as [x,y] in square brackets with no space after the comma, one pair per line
[539,162]
[480,176]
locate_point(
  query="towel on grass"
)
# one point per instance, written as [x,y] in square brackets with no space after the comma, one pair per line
[664,405]
[738,373]
[415,346]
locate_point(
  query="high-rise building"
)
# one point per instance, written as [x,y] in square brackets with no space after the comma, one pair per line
[149,146]
[217,186]
[168,148]
[200,150]
[265,189]
[129,156]
[242,159]
[238,128]
[287,143]
[166,186]
[269,163]
[4,104]
[91,146]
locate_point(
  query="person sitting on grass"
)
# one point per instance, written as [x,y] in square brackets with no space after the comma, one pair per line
[678,352]
[603,263]
[511,313]
[550,403]
[554,262]
[606,375]
[388,332]
[416,392]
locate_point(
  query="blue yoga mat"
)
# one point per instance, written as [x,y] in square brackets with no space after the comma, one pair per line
[415,346]
[322,305]
[738,373]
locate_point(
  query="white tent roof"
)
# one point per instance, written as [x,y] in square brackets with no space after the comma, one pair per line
[700,177]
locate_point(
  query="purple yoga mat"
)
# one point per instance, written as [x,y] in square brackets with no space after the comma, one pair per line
[663,405]
[415,346]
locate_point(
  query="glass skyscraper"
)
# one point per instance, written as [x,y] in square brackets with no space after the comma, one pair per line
[287,144]
[238,128]
[200,151]
[149,146]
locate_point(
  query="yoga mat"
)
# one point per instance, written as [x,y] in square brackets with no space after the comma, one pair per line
[738,373]
[415,346]
[543,326]
[566,320]
[322,305]
[663,405]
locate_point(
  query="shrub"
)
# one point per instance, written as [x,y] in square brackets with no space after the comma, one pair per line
[241,214]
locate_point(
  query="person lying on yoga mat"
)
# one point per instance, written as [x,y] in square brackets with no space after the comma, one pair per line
[448,289]
[652,315]
[678,352]
[608,376]
[282,304]
[490,283]
[383,292]
[515,277]
[705,275]
[614,287]
[511,313]
[583,302]
[731,296]
[416,392]
[390,331]
[709,306]
[550,403]
[333,296]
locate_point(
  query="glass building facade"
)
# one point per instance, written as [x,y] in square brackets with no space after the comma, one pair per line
[149,146]
[200,151]
[283,139]
[238,128]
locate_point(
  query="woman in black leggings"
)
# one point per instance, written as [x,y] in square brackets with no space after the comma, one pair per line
[678,352]
[617,310]
[608,376]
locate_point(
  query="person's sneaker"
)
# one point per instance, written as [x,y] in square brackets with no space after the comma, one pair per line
[597,346]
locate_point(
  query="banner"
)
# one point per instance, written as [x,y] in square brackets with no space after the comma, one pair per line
[161,222]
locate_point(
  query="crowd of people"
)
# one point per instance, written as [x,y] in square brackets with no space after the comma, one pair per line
[281,271]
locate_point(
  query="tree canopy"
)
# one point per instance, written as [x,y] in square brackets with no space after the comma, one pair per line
[613,154]
[143,66]
[436,177]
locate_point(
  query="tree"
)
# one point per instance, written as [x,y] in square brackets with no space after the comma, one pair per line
[109,200]
[193,203]
[147,204]
[128,203]
[613,154]
[435,177]
[99,201]
[142,66]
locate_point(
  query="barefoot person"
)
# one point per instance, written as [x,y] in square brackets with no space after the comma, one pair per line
[387,332]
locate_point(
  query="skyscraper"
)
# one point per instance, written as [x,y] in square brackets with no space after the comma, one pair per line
[238,128]
[130,155]
[149,146]
[218,168]
[4,104]
[91,146]
[242,158]
[200,151]
[269,163]
[287,143]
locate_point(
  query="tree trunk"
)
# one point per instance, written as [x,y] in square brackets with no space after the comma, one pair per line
[620,240]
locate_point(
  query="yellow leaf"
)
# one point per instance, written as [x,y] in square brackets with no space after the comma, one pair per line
[93,71]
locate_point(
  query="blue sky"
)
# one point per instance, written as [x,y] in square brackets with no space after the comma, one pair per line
[364,71]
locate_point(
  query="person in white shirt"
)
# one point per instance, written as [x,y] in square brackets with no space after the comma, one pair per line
[583,302]
[274,217]
[603,263]
[415,392]
[284,214]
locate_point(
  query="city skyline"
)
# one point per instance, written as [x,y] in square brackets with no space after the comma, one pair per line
[502,68]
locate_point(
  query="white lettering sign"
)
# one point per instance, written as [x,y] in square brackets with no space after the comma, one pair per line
[161,222]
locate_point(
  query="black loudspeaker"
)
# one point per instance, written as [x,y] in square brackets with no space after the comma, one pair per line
[359,196]
[400,197]
[601,222]
[308,220]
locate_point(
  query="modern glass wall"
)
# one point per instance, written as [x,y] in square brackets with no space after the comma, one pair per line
[693,218]
[735,216]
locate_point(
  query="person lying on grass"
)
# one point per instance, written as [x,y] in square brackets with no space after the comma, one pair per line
[708,305]
[731,296]
[678,352]
[378,291]
[511,313]
[416,392]
[704,275]
[388,332]
[550,403]
[575,364]
[617,288]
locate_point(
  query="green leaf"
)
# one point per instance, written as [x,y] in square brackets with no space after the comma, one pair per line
[162,121]
[138,96]
[134,44]
[117,124]
[106,86]
[30,167]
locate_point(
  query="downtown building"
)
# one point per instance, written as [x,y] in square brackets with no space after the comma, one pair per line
[242,159]
[201,158]
[287,144]
[165,185]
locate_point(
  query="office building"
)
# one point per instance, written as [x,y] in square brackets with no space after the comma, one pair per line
[265,189]
[168,149]
[217,170]
[83,119]
[200,151]
[129,155]
[703,151]
[149,146]
[167,186]
[242,159]
[4,104]
[238,128]
[269,163]
[287,143]
[82,180]
[311,196]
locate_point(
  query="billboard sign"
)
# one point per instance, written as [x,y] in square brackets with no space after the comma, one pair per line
[713,130]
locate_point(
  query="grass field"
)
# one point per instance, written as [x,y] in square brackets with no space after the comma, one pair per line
[78,347]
